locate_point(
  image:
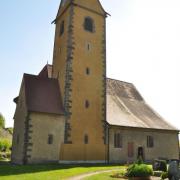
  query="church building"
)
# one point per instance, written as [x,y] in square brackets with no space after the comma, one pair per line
[72,113]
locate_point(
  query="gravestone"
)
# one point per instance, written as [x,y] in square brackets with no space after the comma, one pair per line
[173,170]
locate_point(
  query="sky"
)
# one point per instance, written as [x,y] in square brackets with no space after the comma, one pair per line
[143,47]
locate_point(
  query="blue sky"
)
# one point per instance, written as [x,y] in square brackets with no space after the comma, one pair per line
[26,38]
[143,47]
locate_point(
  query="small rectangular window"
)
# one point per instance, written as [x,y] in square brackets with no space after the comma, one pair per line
[150,142]
[87,71]
[50,139]
[117,140]
[88,46]
[86,139]
[87,104]
[61,28]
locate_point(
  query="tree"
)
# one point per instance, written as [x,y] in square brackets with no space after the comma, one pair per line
[2,121]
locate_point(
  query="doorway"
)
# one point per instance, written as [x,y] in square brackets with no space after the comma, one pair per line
[140,153]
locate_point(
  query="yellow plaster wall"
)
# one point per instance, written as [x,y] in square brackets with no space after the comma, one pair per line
[43,125]
[60,52]
[92,4]
[84,87]
[87,87]
[165,144]
[19,128]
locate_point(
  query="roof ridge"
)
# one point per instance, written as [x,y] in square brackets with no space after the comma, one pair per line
[37,76]
[119,81]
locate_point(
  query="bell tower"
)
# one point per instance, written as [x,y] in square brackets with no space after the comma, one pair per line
[79,63]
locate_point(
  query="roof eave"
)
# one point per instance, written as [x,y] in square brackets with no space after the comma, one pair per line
[143,128]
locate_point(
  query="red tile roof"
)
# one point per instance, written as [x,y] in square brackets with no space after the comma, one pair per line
[46,71]
[43,94]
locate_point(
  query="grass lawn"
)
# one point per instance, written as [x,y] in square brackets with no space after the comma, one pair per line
[47,172]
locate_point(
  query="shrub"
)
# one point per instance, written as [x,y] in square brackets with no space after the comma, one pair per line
[139,170]
[139,160]
[5,145]
[8,155]
[2,156]
[164,175]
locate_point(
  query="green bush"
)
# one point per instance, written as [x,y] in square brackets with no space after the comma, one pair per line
[164,175]
[139,160]
[139,170]
[5,145]
[5,155]
[8,155]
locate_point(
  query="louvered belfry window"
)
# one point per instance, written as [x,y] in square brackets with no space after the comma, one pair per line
[88,24]
[118,140]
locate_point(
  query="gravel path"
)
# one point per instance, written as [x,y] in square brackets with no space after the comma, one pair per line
[81,177]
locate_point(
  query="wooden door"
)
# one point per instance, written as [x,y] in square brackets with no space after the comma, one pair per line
[130,149]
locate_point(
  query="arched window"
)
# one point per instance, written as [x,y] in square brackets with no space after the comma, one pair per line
[89,24]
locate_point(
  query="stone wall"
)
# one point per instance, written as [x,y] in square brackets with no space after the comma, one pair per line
[165,144]
[44,125]
[19,128]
